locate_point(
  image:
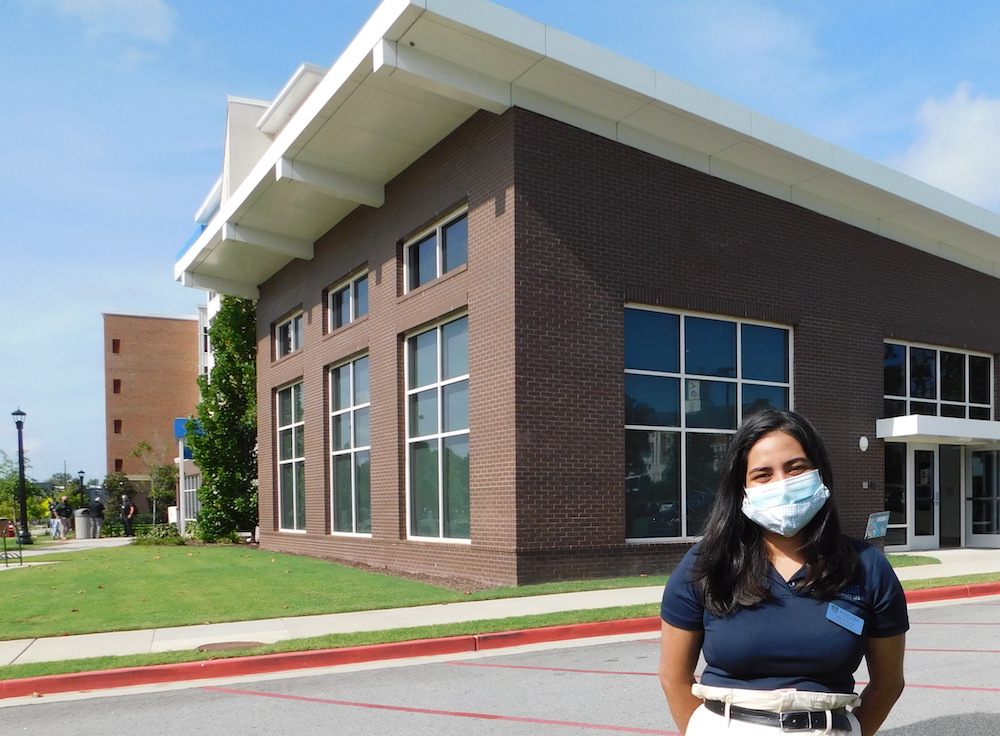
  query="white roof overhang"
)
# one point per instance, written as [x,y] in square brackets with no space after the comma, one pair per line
[419,68]
[937,430]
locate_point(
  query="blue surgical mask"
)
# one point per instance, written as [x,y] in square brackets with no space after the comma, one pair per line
[787,505]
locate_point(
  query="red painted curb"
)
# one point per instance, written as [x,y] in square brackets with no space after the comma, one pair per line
[235,666]
[953,592]
[563,633]
[266,663]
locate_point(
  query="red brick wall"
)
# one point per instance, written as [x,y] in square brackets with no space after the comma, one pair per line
[565,227]
[157,366]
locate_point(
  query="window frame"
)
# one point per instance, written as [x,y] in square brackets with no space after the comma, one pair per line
[351,286]
[438,437]
[352,410]
[907,397]
[296,335]
[680,435]
[296,461]
[436,231]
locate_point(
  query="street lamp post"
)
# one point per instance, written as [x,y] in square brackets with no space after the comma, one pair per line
[83,490]
[25,533]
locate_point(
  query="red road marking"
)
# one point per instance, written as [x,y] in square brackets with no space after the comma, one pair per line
[549,669]
[455,714]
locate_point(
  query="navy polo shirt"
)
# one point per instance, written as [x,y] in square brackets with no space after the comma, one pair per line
[788,641]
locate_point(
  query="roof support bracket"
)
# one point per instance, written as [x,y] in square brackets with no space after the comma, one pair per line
[442,77]
[293,247]
[343,186]
[219,285]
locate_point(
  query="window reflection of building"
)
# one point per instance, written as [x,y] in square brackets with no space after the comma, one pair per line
[689,381]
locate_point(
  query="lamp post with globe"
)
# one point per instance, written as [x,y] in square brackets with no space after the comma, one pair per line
[25,534]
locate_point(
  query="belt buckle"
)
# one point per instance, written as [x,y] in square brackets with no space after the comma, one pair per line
[799,720]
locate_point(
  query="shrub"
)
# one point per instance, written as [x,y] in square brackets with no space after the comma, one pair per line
[160,534]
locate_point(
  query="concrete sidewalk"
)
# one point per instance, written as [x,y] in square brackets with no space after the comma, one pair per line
[268,631]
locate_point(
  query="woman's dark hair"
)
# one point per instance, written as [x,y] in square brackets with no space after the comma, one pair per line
[733,564]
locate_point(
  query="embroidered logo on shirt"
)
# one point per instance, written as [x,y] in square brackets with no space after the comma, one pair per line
[852,593]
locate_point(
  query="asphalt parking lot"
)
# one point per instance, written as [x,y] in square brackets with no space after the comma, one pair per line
[574,688]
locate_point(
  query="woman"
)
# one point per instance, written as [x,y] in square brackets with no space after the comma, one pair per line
[782,604]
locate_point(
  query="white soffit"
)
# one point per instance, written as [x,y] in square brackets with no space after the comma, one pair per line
[937,430]
[419,68]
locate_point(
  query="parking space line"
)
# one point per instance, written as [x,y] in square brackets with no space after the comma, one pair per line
[433,712]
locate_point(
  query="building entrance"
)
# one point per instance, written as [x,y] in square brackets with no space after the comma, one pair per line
[924,495]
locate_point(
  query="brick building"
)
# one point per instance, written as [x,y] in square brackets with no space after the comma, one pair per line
[516,292]
[150,366]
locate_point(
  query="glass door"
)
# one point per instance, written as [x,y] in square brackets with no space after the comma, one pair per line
[923,495]
[983,498]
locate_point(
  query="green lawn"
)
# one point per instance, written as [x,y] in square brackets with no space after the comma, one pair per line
[135,587]
[143,587]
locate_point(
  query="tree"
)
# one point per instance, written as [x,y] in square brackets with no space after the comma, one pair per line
[223,438]
[116,485]
[162,480]
[10,484]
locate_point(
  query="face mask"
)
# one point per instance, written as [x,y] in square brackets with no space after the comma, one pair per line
[787,505]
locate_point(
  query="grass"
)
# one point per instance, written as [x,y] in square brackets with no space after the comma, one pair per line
[912,560]
[142,587]
[122,588]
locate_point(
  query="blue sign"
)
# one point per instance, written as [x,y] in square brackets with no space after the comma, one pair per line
[878,525]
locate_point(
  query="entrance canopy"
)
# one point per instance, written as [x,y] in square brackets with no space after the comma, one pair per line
[937,430]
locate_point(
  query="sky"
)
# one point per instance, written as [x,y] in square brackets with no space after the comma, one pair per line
[112,116]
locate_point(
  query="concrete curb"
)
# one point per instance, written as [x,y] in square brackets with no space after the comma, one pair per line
[268,663]
[952,593]
[284,662]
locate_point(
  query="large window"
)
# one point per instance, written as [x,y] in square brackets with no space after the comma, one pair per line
[936,381]
[291,459]
[437,251]
[437,415]
[288,336]
[348,302]
[350,447]
[689,381]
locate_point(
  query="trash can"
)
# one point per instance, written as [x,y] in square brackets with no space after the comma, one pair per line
[83,523]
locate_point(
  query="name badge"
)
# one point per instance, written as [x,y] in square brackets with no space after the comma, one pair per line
[843,617]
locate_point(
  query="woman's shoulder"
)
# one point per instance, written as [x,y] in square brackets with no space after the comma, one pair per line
[872,560]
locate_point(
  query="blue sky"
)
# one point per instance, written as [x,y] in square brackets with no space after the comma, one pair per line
[113,121]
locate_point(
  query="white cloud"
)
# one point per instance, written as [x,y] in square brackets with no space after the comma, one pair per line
[959,146]
[148,20]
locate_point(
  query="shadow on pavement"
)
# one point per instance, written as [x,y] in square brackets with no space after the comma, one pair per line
[966,724]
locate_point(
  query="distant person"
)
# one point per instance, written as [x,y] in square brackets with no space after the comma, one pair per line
[53,520]
[128,513]
[64,510]
[96,515]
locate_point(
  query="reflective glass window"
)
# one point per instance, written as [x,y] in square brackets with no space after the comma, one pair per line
[652,484]
[710,347]
[952,376]
[652,341]
[652,400]
[710,404]
[980,379]
[894,369]
[679,414]
[764,352]
[923,373]
[438,431]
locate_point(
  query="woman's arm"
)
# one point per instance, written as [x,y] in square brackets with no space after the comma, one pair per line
[679,652]
[885,671]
